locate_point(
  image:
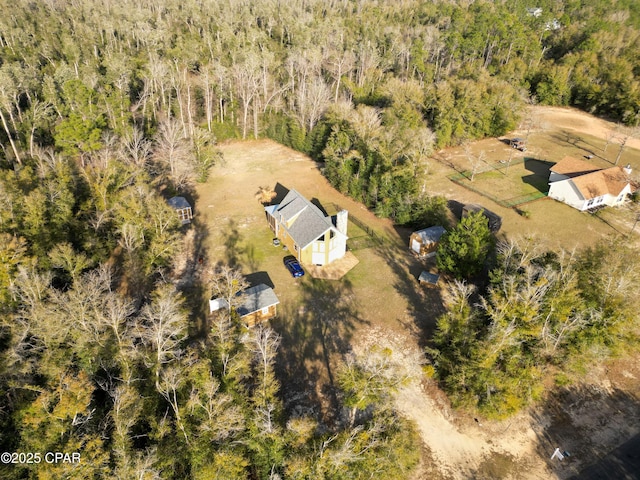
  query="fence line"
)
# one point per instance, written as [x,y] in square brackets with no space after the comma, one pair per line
[490,167]
[463,179]
[377,239]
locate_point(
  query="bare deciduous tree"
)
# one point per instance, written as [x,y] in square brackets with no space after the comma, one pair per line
[475,162]
[217,416]
[171,379]
[339,63]
[136,148]
[311,101]
[366,122]
[163,328]
[264,345]
[246,77]
[370,378]
[173,153]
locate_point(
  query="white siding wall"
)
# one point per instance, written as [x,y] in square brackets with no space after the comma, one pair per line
[617,200]
[339,248]
[564,191]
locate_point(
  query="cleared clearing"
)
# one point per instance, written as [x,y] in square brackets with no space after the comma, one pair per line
[380,302]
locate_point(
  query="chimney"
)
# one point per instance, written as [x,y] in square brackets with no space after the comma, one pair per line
[627,169]
[341,221]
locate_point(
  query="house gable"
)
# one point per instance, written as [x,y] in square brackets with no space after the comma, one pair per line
[303,221]
[584,189]
[302,227]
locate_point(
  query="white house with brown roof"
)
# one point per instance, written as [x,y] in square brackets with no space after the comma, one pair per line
[313,237]
[583,185]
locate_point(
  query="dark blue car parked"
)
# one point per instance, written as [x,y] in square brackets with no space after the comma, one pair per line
[293,266]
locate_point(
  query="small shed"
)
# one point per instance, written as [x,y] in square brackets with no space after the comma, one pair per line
[494,220]
[259,304]
[429,279]
[182,208]
[424,242]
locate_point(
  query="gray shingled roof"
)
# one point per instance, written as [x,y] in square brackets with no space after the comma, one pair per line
[310,222]
[179,202]
[428,277]
[256,298]
[291,205]
[431,234]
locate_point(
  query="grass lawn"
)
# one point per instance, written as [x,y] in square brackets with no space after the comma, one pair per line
[317,319]
[520,182]
[555,224]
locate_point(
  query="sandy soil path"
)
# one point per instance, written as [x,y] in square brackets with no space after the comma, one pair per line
[460,447]
[578,121]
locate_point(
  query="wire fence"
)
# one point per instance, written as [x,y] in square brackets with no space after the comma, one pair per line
[359,242]
[464,180]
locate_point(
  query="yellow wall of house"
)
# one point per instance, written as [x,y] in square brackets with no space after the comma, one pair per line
[258,317]
[306,255]
[288,242]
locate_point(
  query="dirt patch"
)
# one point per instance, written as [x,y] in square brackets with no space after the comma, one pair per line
[459,446]
[577,121]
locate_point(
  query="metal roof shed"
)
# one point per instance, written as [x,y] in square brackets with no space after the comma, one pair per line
[182,208]
[428,278]
[424,242]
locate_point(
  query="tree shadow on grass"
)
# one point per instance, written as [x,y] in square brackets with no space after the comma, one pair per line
[236,252]
[425,305]
[597,427]
[577,141]
[597,213]
[189,281]
[231,238]
[316,333]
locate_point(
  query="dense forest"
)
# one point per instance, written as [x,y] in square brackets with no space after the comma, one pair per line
[369,87]
[108,108]
[544,316]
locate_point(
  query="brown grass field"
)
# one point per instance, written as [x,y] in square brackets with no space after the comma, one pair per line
[380,300]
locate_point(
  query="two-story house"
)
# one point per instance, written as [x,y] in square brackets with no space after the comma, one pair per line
[311,236]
